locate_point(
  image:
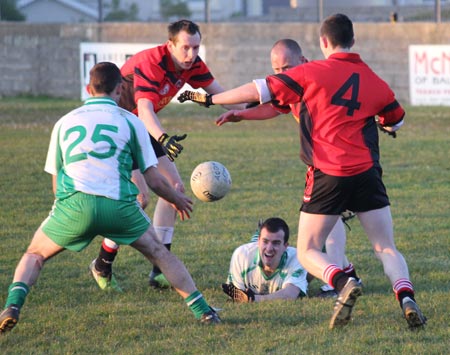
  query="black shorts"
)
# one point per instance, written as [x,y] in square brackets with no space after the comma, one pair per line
[332,195]
[157,147]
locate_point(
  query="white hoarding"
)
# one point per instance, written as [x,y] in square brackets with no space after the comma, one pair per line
[117,53]
[429,75]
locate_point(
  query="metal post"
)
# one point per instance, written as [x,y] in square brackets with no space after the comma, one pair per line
[99,21]
[320,10]
[437,10]
[100,11]
[207,12]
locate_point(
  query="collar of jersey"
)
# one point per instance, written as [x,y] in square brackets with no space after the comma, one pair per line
[100,100]
[170,63]
[352,57]
[280,265]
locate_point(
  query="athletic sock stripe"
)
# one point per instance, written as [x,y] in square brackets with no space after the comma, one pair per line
[109,249]
[402,285]
[349,268]
[329,273]
[191,302]
[19,288]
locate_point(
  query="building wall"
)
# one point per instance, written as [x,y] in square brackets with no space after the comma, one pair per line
[55,12]
[44,59]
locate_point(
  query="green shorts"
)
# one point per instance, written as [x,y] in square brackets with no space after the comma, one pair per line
[76,220]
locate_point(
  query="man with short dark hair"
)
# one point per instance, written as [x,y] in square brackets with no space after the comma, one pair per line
[266,269]
[90,157]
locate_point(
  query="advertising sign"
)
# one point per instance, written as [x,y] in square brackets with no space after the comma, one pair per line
[429,75]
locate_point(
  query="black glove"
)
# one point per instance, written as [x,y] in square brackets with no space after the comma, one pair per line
[170,145]
[382,129]
[238,295]
[201,99]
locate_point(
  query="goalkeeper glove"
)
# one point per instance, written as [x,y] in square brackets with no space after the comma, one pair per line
[238,295]
[170,146]
[201,99]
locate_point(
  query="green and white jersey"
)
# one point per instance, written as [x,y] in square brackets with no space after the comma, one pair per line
[246,271]
[92,150]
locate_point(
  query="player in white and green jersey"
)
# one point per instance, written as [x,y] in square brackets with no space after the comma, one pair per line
[92,152]
[109,147]
[267,269]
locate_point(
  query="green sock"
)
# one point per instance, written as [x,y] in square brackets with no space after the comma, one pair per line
[197,304]
[17,292]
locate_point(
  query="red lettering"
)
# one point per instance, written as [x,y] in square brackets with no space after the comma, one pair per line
[434,65]
[437,64]
[421,58]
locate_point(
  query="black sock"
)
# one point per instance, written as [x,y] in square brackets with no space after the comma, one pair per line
[157,270]
[339,281]
[404,294]
[351,271]
[353,274]
[104,261]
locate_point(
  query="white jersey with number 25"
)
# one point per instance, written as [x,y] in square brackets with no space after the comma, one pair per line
[94,148]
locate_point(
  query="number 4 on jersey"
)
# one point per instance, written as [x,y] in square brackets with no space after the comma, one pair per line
[352,104]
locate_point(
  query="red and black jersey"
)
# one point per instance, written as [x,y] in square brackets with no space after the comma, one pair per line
[339,98]
[151,74]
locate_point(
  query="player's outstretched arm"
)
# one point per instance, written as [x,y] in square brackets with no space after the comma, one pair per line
[290,292]
[260,112]
[215,88]
[240,95]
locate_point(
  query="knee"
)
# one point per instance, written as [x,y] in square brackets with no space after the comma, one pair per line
[388,251]
[149,245]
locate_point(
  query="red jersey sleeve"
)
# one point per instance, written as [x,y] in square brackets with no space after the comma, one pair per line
[391,114]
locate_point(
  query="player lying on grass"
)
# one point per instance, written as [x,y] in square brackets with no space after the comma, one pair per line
[267,268]
[284,55]
[91,154]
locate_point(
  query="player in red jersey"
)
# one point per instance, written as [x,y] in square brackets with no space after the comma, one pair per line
[284,55]
[151,79]
[339,98]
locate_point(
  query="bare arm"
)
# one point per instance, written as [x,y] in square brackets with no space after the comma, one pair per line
[290,292]
[143,196]
[260,112]
[216,88]
[148,116]
[160,186]
[241,94]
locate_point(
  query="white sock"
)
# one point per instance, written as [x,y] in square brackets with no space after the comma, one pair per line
[164,234]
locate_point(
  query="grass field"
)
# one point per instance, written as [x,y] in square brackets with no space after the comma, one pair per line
[67,314]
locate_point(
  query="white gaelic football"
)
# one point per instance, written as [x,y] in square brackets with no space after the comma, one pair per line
[210,181]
